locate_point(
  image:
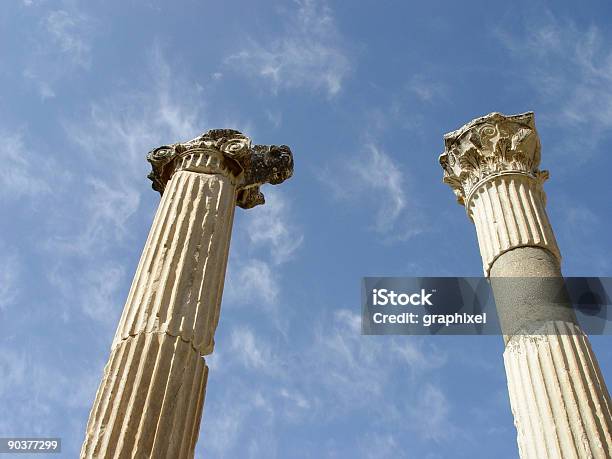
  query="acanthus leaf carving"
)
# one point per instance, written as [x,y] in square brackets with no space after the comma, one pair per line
[487,146]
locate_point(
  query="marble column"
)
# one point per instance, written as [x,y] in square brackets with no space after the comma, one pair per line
[149,403]
[559,399]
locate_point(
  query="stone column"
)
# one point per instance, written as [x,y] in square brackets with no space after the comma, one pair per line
[149,403]
[558,396]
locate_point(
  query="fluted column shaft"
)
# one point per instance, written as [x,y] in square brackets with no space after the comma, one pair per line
[559,399]
[508,212]
[156,373]
[558,396]
[149,403]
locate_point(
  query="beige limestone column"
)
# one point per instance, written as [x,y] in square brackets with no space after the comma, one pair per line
[559,399]
[149,403]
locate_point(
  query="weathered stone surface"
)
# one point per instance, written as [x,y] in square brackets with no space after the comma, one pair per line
[179,280]
[559,400]
[492,166]
[150,400]
[558,395]
[529,291]
[149,403]
[489,146]
[508,211]
[223,151]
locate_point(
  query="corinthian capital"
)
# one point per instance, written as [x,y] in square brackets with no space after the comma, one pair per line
[227,152]
[492,145]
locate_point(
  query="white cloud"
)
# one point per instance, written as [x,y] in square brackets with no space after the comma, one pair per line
[228,419]
[266,238]
[113,141]
[34,388]
[375,179]
[430,414]
[43,84]
[227,424]
[379,446]
[115,138]
[271,225]
[251,281]
[61,47]
[108,206]
[378,172]
[353,371]
[13,366]
[94,289]
[10,268]
[253,353]
[23,170]
[99,288]
[68,32]
[414,357]
[570,68]
[123,127]
[275,118]
[308,54]
[335,366]
[296,397]
[426,88]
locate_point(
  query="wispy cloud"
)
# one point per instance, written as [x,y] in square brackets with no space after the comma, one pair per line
[376,179]
[33,390]
[93,289]
[270,225]
[107,209]
[572,75]
[307,54]
[266,238]
[430,415]
[23,169]
[10,269]
[381,174]
[350,362]
[253,353]
[121,128]
[68,32]
[275,117]
[234,414]
[61,46]
[427,88]
[379,446]
[334,366]
[252,281]
[113,140]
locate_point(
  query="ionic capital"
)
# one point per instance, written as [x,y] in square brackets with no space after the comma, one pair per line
[229,153]
[490,146]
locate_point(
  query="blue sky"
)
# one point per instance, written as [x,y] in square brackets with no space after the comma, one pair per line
[363,93]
